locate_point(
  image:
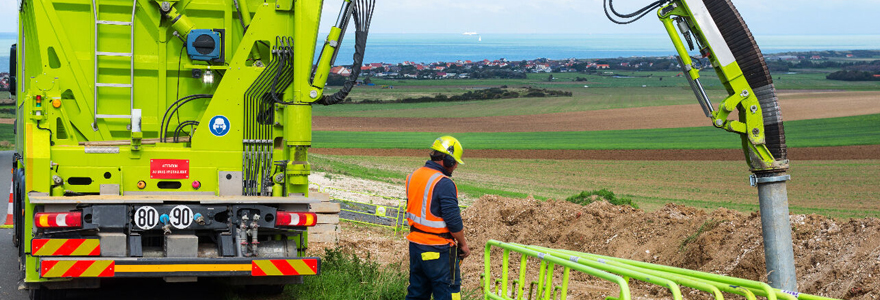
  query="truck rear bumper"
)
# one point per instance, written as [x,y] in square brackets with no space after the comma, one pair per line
[53,267]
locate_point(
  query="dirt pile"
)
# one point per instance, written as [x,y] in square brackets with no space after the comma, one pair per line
[838,259]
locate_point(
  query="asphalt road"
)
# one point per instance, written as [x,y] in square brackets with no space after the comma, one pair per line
[8,253]
[130,289]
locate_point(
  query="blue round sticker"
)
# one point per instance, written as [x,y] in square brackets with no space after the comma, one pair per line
[219,125]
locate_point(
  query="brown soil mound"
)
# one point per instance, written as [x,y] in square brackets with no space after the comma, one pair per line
[838,259]
[811,153]
[795,106]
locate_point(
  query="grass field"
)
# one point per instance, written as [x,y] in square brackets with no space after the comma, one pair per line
[582,99]
[800,80]
[844,131]
[6,135]
[832,188]
[604,92]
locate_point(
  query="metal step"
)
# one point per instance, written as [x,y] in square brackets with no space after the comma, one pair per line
[119,85]
[101,53]
[102,116]
[114,23]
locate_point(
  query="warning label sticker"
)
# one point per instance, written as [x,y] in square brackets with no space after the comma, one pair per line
[169,169]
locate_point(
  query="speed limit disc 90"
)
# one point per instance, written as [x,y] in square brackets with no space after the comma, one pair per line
[181,216]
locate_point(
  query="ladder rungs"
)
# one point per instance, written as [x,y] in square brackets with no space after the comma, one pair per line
[101,53]
[114,23]
[119,85]
[101,116]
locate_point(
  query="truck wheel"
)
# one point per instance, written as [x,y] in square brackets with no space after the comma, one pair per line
[43,293]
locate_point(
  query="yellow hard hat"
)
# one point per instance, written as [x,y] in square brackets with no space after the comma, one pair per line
[449,145]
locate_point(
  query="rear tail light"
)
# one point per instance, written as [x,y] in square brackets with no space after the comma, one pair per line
[286,218]
[58,219]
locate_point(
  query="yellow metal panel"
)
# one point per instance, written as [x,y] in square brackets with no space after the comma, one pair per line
[96,268]
[60,268]
[51,246]
[268,268]
[86,247]
[301,267]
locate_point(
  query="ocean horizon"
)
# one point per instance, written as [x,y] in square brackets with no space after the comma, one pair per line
[427,48]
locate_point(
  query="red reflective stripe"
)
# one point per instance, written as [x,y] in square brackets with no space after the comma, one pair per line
[256,271]
[284,267]
[96,252]
[68,247]
[312,263]
[110,271]
[47,265]
[36,244]
[78,268]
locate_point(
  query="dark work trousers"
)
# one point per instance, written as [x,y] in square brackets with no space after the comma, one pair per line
[430,272]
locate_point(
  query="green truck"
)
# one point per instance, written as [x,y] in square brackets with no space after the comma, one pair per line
[169,139]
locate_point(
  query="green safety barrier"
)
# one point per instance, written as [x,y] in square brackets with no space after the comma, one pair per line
[388,216]
[616,270]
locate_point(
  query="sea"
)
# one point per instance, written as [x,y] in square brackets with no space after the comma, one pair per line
[427,48]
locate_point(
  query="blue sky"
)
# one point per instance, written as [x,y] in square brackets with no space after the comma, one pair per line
[764,17]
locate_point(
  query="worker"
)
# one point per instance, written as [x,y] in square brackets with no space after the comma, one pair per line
[436,239]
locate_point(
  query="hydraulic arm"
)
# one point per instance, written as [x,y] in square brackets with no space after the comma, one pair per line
[717,33]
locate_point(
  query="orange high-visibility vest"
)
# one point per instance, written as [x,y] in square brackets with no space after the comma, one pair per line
[419,193]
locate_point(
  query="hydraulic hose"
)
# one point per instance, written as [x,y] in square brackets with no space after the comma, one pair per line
[363,15]
[634,16]
[163,127]
[744,48]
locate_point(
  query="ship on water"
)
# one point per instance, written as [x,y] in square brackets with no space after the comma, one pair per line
[470,33]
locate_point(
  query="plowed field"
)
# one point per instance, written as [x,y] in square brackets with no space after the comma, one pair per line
[795,106]
[808,153]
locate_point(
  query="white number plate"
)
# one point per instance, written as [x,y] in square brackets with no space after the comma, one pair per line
[181,217]
[146,217]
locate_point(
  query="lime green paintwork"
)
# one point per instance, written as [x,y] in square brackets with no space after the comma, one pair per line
[740,93]
[56,53]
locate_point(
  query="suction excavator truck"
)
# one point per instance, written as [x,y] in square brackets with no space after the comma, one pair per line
[169,139]
[715,32]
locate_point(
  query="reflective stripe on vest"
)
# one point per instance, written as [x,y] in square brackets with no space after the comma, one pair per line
[423,219]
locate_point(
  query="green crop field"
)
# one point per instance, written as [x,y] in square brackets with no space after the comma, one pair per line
[6,136]
[582,99]
[601,92]
[795,80]
[843,131]
[831,188]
